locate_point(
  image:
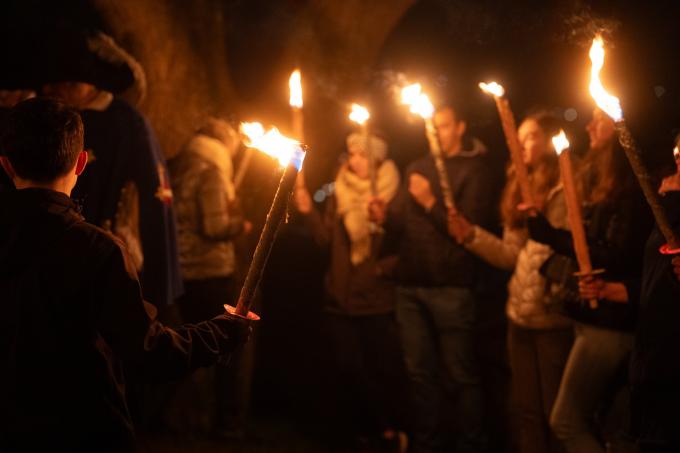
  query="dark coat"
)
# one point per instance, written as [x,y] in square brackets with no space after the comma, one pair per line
[655,362]
[428,255]
[72,317]
[352,290]
[616,231]
[125,149]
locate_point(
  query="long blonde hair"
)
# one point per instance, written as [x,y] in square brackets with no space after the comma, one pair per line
[543,175]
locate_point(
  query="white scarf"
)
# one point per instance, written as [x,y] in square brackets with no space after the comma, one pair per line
[352,194]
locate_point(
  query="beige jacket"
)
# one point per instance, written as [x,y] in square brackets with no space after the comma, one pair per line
[528,291]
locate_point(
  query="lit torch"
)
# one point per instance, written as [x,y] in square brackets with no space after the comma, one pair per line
[574,215]
[360,115]
[510,131]
[420,104]
[611,106]
[290,154]
[295,101]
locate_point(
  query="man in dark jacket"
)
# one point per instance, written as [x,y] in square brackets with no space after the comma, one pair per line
[73,313]
[436,277]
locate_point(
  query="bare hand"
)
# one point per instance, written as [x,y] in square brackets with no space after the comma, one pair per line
[528,209]
[590,288]
[302,200]
[459,227]
[670,184]
[377,210]
[421,191]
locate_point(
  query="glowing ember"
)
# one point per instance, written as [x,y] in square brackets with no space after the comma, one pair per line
[359,114]
[420,104]
[605,101]
[295,85]
[492,88]
[284,149]
[560,142]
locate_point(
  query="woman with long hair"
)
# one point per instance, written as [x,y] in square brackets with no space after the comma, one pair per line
[539,337]
[617,222]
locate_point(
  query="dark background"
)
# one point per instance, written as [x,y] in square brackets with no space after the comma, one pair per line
[233,58]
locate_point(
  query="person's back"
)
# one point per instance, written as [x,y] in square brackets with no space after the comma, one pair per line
[72,306]
[59,378]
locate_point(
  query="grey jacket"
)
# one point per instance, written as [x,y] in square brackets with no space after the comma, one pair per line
[206,219]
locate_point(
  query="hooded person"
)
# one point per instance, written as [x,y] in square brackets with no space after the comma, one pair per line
[126,189]
[208,223]
[359,296]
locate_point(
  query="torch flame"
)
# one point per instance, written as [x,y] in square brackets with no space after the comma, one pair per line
[492,88]
[295,85]
[359,114]
[560,142]
[420,104]
[605,101]
[284,149]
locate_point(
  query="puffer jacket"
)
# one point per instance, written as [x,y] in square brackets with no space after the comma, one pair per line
[529,293]
[206,221]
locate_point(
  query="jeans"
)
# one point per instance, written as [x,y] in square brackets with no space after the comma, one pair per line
[436,328]
[596,358]
[537,360]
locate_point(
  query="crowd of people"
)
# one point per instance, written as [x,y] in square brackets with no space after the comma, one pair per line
[88,203]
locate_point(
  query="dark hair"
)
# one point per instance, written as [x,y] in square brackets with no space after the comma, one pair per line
[543,176]
[42,139]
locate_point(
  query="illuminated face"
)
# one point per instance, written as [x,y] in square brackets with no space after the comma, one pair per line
[358,161]
[449,129]
[600,130]
[533,140]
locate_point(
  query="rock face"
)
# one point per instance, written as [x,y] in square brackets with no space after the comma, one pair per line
[212,57]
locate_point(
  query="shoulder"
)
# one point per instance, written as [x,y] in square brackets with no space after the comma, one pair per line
[84,238]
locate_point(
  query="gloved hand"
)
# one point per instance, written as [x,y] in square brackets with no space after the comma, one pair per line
[540,230]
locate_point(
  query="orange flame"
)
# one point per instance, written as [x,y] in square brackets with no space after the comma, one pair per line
[359,114]
[560,142]
[418,101]
[676,153]
[295,85]
[271,142]
[605,101]
[492,88]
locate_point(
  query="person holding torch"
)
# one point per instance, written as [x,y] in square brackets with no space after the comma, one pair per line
[359,295]
[539,336]
[617,220]
[436,278]
[654,370]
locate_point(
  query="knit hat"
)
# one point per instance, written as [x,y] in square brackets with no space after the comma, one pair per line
[377,145]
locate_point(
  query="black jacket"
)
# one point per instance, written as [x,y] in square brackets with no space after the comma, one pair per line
[72,316]
[616,231]
[655,361]
[428,256]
